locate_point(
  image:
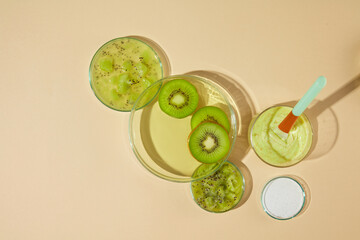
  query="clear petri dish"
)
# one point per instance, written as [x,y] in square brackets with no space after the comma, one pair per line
[122,69]
[160,142]
[270,148]
[283,198]
[207,192]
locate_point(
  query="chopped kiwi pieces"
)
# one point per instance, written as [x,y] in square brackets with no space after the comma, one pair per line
[146,56]
[127,66]
[178,98]
[118,66]
[210,113]
[141,69]
[230,196]
[123,85]
[121,82]
[213,194]
[220,191]
[115,80]
[107,64]
[147,82]
[114,95]
[209,142]
[227,169]
[232,183]
[210,203]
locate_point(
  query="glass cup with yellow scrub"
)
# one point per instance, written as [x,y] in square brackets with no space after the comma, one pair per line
[270,147]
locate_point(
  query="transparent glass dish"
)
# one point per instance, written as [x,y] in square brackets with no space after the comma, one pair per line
[160,142]
[289,162]
[290,198]
[158,58]
[239,197]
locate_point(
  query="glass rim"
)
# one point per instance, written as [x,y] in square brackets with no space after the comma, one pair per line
[134,109]
[303,195]
[251,140]
[240,197]
[114,39]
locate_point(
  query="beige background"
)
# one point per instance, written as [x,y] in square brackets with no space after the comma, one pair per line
[66,167]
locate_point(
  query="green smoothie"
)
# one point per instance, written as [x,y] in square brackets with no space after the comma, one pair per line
[221,191]
[274,150]
[121,70]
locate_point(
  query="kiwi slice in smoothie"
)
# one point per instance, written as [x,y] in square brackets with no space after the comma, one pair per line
[209,142]
[178,98]
[210,113]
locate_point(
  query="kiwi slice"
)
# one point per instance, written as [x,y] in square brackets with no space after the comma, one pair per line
[209,142]
[178,98]
[210,113]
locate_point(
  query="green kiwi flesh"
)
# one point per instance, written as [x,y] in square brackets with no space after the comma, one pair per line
[209,142]
[212,114]
[178,98]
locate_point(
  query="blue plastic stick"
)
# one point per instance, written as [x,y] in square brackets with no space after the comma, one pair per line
[309,96]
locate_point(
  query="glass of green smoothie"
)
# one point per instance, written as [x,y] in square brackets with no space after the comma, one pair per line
[270,147]
[121,70]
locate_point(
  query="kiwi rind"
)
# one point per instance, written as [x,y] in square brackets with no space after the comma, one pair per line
[210,113]
[223,143]
[178,87]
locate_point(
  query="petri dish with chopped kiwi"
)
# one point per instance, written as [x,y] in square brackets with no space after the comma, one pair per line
[121,70]
[221,191]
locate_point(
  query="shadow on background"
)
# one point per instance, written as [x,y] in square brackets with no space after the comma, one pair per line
[244,108]
[306,188]
[160,52]
[324,121]
[248,181]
